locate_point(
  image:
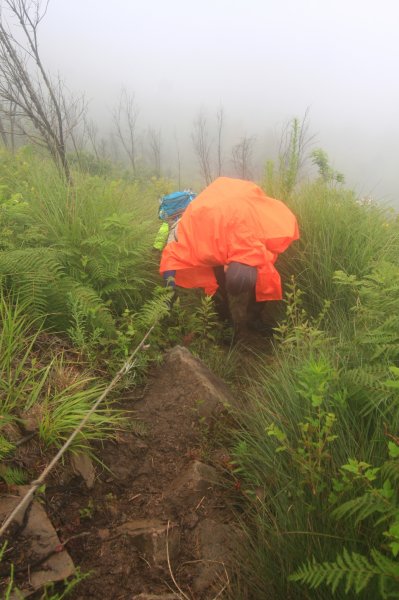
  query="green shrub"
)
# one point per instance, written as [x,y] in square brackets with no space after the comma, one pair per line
[313,448]
[337,234]
[85,248]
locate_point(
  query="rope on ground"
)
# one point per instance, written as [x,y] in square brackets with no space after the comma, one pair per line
[39,481]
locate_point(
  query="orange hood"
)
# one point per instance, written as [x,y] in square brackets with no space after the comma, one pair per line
[231,220]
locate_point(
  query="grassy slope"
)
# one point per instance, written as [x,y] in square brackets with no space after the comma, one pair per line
[76,266]
[79,261]
[323,403]
[77,274]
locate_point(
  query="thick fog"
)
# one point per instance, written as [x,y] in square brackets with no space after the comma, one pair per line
[263,61]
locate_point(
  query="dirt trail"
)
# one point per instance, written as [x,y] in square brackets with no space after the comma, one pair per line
[159,519]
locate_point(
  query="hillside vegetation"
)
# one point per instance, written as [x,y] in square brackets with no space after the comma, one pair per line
[78,290]
[315,449]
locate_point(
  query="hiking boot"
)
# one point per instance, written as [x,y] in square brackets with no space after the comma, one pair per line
[258,326]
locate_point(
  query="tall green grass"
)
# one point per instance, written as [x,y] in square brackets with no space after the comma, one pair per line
[74,260]
[48,391]
[337,233]
[89,245]
[328,398]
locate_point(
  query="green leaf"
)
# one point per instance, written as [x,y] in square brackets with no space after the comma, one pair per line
[371,474]
[355,466]
[394,546]
[393,450]
[316,400]
[386,491]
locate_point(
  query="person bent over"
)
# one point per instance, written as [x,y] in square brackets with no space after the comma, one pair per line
[229,238]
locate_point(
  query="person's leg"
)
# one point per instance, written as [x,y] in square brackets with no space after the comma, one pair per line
[255,321]
[170,283]
[220,298]
[254,308]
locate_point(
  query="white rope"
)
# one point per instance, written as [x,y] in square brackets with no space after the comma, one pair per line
[39,481]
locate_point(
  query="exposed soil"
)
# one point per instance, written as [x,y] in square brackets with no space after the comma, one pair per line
[156,521]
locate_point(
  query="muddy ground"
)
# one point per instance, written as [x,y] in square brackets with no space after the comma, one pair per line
[155,519]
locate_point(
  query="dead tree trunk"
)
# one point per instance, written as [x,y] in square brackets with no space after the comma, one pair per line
[154,142]
[3,132]
[220,123]
[40,104]
[202,147]
[125,119]
[242,157]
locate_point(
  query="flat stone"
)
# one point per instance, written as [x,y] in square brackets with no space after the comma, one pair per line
[41,539]
[214,542]
[192,485]
[215,539]
[83,466]
[208,393]
[155,539]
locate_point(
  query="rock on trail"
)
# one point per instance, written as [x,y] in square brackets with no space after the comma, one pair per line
[156,519]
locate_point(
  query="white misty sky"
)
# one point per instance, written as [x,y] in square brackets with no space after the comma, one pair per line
[264,61]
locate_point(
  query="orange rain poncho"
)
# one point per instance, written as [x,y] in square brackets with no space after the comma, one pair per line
[231,221]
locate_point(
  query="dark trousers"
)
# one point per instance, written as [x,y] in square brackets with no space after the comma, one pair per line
[221,299]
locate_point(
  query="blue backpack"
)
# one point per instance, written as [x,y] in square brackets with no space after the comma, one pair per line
[174,204]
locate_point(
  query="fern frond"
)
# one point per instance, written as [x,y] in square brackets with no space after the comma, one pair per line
[102,271]
[30,274]
[115,287]
[386,351]
[354,569]
[69,292]
[390,470]
[361,507]
[386,566]
[383,335]
[368,376]
[155,309]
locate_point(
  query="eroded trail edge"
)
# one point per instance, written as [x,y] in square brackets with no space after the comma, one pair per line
[156,523]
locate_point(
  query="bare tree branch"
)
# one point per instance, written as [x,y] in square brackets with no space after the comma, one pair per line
[125,119]
[75,113]
[8,116]
[154,142]
[91,130]
[242,157]
[202,146]
[3,133]
[220,123]
[24,82]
